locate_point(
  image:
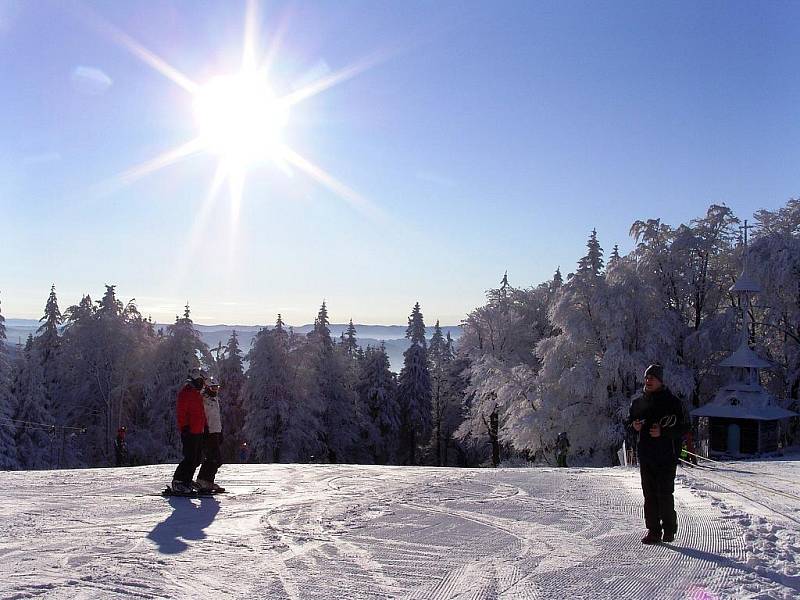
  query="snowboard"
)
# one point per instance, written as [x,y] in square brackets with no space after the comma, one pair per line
[168,492]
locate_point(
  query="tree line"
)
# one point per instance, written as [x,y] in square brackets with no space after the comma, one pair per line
[563,355]
[289,398]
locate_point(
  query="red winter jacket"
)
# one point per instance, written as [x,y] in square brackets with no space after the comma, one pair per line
[190,410]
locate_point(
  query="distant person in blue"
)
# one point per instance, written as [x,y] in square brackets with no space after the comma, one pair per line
[657,418]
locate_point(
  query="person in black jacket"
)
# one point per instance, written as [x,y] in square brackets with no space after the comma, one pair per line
[657,417]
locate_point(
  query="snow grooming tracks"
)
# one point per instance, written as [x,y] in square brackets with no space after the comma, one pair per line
[771,568]
[362,532]
[525,544]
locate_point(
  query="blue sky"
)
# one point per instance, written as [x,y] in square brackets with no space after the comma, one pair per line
[488,136]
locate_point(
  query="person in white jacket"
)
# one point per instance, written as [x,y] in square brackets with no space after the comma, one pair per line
[212,440]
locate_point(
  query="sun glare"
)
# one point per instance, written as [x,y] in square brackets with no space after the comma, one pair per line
[240,119]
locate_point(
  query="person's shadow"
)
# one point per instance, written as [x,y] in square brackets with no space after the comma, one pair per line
[187,522]
[790,581]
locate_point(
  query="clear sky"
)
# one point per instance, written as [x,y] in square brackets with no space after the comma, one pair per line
[431,146]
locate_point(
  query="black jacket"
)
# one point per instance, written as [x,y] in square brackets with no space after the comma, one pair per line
[664,408]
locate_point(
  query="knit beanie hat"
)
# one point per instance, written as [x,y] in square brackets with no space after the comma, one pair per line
[655,370]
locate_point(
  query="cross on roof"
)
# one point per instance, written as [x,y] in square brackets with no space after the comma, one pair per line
[745,228]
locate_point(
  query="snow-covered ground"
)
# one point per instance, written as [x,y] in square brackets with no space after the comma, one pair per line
[342,532]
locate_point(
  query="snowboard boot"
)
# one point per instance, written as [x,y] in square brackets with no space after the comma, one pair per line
[180,487]
[203,486]
[215,489]
[652,537]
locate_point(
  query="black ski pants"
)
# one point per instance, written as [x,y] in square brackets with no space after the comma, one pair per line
[192,447]
[658,484]
[212,456]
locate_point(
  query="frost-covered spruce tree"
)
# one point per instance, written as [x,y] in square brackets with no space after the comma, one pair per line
[8,448]
[104,355]
[377,390]
[350,342]
[414,388]
[34,437]
[455,389]
[278,427]
[178,350]
[37,387]
[440,354]
[332,393]
[611,325]
[232,380]
[570,394]
[47,336]
[47,345]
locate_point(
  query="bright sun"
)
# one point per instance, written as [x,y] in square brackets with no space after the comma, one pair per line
[240,119]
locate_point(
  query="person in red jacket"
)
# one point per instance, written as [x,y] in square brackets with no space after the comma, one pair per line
[191,423]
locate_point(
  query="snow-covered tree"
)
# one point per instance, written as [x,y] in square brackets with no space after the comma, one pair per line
[280,422]
[414,386]
[440,355]
[350,343]
[774,261]
[8,448]
[377,390]
[103,357]
[232,380]
[178,350]
[34,436]
[692,267]
[498,350]
[331,390]
[48,333]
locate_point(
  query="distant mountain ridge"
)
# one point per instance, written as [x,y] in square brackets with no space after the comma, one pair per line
[393,336]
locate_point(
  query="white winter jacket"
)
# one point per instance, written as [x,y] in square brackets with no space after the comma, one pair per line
[213,418]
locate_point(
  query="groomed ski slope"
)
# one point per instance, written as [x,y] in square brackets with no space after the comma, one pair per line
[342,532]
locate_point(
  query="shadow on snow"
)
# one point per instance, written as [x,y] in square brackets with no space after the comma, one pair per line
[792,582]
[187,522]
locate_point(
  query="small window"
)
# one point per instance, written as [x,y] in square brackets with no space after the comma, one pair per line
[734,402]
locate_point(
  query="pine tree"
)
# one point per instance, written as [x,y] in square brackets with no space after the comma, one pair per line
[455,387]
[179,351]
[558,280]
[414,388]
[34,437]
[232,380]
[108,305]
[47,334]
[268,396]
[591,265]
[281,420]
[322,327]
[350,342]
[337,399]
[377,394]
[8,449]
[416,327]
[615,257]
[105,362]
[439,356]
